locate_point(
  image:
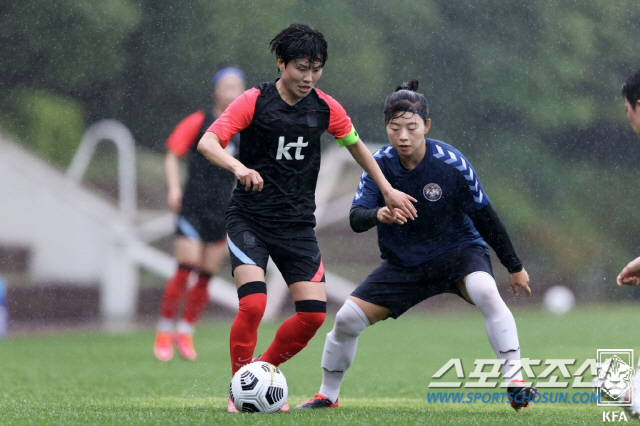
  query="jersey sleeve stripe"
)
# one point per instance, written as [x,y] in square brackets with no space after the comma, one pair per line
[185,134]
[236,117]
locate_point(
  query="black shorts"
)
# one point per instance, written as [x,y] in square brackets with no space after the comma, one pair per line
[205,228]
[399,288]
[294,250]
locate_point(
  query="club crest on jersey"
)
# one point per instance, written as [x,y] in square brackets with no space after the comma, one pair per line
[432,192]
[283,149]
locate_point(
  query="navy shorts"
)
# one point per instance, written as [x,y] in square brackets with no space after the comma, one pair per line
[399,288]
[294,250]
[204,228]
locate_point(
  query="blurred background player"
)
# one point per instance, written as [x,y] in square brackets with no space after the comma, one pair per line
[630,275]
[200,238]
[444,250]
[271,213]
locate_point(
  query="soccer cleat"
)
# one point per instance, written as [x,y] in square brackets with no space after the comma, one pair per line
[162,346]
[318,401]
[184,343]
[520,396]
[230,407]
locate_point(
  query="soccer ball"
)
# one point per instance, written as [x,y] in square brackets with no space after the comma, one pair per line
[259,387]
[559,299]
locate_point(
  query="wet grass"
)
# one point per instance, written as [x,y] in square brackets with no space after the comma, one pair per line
[109,379]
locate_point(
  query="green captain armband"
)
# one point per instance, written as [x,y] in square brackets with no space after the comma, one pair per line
[350,139]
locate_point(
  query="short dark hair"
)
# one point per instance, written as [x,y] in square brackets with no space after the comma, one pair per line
[631,89]
[405,99]
[299,41]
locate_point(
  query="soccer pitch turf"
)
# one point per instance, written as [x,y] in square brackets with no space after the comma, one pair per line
[80,378]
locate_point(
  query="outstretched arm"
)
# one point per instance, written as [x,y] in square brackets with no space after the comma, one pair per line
[492,230]
[630,275]
[393,198]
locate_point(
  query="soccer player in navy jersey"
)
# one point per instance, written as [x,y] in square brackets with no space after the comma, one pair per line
[630,275]
[200,241]
[271,213]
[444,250]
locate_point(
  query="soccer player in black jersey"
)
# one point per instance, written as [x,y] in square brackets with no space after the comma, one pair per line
[630,275]
[201,229]
[271,213]
[444,250]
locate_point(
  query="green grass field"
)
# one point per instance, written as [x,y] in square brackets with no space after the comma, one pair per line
[98,378]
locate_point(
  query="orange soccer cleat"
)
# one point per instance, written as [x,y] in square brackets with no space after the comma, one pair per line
[162,346]
[184,343]
[318,401]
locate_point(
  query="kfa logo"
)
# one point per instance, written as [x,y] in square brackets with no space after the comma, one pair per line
[283,150]
[614,416]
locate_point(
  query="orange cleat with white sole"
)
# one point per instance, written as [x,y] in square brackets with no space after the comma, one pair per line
[162,346]
[184,343]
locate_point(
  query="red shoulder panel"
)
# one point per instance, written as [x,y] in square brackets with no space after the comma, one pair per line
[339,121]
[185,134]
[236,117]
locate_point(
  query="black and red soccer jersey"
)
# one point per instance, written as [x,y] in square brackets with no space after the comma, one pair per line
[282,143]
[208,188]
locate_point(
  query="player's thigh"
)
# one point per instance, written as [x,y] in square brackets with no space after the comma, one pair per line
[213,255]
[299,260]
[188,251]
[373,312]
[308,290]
[463,289]
[248,253]
[393,287]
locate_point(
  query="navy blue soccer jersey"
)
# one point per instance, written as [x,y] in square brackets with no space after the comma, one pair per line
[446,187]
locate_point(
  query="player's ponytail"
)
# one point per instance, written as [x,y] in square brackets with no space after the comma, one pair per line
[406,99]
[411,85]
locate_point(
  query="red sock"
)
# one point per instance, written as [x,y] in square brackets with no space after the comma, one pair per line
[198,299]
[294,334]
[174,290]
[244,330]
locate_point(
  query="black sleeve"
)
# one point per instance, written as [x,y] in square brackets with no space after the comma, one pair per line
[362,219]
[492,230]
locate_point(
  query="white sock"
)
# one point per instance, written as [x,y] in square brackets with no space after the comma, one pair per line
[165,324]
[340,348]
[498,320]
[185,327]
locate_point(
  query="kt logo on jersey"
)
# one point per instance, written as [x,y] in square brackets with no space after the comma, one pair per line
[283,150]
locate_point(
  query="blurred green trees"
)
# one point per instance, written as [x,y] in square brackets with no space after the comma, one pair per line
[529,91]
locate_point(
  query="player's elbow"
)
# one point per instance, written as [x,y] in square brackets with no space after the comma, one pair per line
[355,220]
[207,143]
[202,148]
